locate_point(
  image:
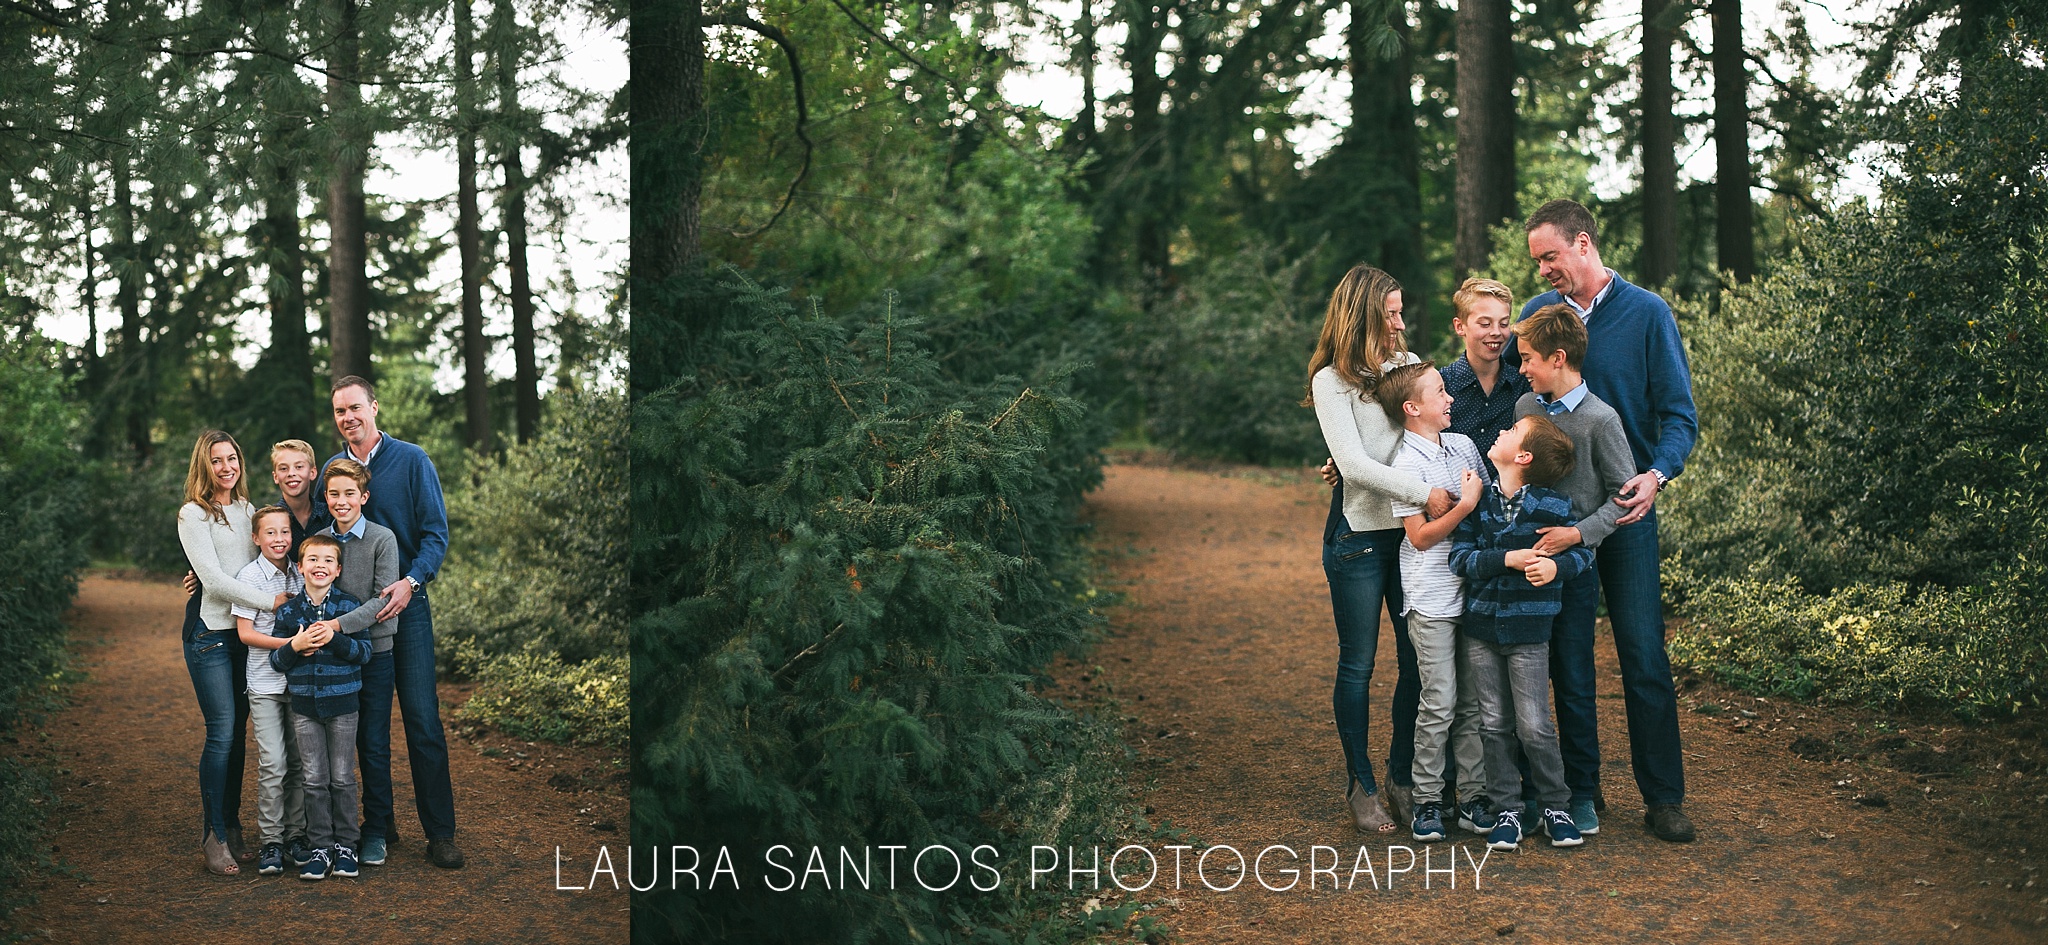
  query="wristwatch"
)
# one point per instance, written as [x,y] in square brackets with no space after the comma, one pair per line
[415,582]
[1663,481]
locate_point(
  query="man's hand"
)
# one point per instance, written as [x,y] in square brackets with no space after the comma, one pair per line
[1556,538]
[1329,472]
[1541,571]
[1637,495]
[191,584]
[1440,504]
[396,597]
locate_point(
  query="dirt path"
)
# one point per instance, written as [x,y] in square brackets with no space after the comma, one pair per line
[128,748]
[1222,664]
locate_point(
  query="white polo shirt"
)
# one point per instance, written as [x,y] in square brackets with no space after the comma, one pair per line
[266,577]
[1428,585]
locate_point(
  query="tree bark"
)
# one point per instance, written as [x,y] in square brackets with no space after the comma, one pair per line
[1734,234]
[525,369]
[1486,129]
[348,298]
[290,347]
[130,373]
[1150,156]
[1383,132]
[667,88]
[1660,144]
[476,381]
[89,288]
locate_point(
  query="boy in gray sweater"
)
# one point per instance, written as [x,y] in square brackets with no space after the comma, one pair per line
[1552,344]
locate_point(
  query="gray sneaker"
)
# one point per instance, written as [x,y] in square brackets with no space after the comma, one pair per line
[1586,817]
[373,851]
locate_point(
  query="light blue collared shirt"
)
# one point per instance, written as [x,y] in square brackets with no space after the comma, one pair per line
[363,524]
[1568,403]
[1598,297]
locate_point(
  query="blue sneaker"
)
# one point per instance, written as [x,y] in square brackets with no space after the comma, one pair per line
[372,852]
[1586,816]
[1507,831]
[344,861]
[316,866]
[1473,816]
[1429,821]
[299,850]
[270,862]
[1558,824]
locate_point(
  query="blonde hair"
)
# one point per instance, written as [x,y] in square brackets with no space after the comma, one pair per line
[296,446]
[1472,290]
[1356,340]
[199,478]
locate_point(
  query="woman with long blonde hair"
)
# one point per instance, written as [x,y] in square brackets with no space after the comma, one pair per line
[1361,341]
[214,529]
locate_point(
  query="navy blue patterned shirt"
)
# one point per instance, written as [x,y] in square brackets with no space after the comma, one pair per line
[1480,415]
[1501,606]
[327,682]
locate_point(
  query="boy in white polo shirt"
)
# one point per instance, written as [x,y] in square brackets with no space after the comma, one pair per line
[1413,395]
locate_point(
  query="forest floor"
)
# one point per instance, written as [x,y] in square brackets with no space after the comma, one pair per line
[128,864]
[1816,823]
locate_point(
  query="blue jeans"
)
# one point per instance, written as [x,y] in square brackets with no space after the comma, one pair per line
[215,660]
[1628,566]
[1364,571]
[329,765]
[407,669]
[1573,677]
[1510,681]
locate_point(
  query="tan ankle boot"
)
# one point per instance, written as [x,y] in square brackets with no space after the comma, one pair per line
[219,859]
[1366,813]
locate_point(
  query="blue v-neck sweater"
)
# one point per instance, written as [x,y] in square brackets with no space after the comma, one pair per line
[1635,362]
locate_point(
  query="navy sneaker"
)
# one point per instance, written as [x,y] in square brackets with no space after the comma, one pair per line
[270,862]
[1558,824]
[344,861]
[1507,831]
[1429,821]
[316,866]
[299,850]
[1475,817]
[1587,816]
[373,851]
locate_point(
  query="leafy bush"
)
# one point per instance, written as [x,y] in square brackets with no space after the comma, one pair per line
[538,543]
[541,697]
[852,565]
[134,507]
[1871,423]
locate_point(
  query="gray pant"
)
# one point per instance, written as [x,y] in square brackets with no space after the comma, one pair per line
[1521,672]
[327,753]
[1447,715]
[280,790]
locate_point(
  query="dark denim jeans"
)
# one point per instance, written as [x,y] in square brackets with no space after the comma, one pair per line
[1510,682]
[1575,680]
[327,756]
[1628,567]
[214,658]
[1364,571]
[407,669]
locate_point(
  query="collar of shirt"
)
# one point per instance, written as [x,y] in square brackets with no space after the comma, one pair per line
[374,447]
[1420,442]
[271,570]
[1511,505]
[1587,312]
[357,531]
[1566,404]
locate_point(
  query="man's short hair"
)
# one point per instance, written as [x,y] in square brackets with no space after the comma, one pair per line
[1551,454]
[1399,386]
[320,541]
[295,446]
[1473,290]
[1569,216]
[348,468]
[1555,328]
[256,520]
[350,380]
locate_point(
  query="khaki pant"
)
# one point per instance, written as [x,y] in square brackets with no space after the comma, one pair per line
[280,788]
[1447,718]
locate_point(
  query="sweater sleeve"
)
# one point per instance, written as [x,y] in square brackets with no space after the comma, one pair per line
[348,647]
[1468,560]
[195,534]
[430,509]
[1678,422]
[1347,444]
[1616,465]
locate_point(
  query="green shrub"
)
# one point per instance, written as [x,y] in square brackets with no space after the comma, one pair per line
[540,697]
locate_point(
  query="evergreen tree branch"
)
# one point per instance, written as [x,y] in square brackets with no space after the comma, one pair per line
[796,78]
[54,17]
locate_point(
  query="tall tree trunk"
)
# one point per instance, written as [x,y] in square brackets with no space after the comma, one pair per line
[1734,236]
[348,299]
[1383,132]
[131,363]
[1081,134]
[291,349]
[1486,129]
[525,368]
[1150,156]
[476,381]
[667,88]
[1660,143]
[89,288]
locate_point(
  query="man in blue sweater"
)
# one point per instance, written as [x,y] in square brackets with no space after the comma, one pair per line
[407,500]
[1636,363]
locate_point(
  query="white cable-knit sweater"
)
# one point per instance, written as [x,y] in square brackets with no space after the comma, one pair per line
[1363,442]
[217,553]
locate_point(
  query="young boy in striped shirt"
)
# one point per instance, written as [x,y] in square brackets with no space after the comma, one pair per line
[1432,597]
[1513,594]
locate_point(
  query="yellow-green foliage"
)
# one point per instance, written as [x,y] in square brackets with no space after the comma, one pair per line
[537,696]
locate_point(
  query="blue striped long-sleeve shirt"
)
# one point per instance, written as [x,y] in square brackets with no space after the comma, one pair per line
[328,682]
[1501,606]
